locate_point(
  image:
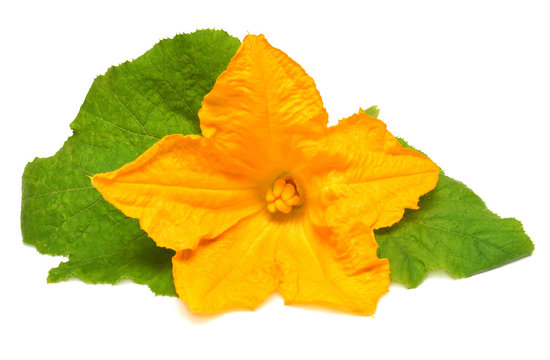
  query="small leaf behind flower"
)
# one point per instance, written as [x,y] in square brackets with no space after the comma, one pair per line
[453,231]
[373,111]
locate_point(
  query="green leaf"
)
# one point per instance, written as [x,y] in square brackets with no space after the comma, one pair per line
[373,111]
[125,112]
[453,231]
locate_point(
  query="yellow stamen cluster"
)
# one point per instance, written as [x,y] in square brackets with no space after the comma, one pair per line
[282,197]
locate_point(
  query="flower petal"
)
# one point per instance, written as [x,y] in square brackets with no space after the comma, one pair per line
[264,108]
[233,271]
[362,173]
[181,191]
[340,271]
[245,264]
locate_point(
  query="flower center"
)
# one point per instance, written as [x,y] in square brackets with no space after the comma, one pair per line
[283,195]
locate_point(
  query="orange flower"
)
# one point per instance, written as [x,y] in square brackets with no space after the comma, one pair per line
[270,199]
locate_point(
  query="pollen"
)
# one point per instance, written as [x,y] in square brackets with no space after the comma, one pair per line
[282,196]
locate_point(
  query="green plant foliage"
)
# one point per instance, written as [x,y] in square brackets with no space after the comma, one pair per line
[137,103]
[452,231]
[373,111]
[125,112]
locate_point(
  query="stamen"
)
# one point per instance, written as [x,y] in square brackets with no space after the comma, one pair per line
[282,196]
[282,206]
[278,187]
[288,191]
[271,207]
[295,200]
[269,197]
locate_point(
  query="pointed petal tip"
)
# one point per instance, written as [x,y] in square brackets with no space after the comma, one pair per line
[98,179]
[254,41]
[254,38]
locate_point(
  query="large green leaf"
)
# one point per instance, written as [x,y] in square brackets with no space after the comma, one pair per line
[453,231]
[125,112]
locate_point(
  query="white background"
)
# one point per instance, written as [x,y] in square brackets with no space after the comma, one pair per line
[468,82]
